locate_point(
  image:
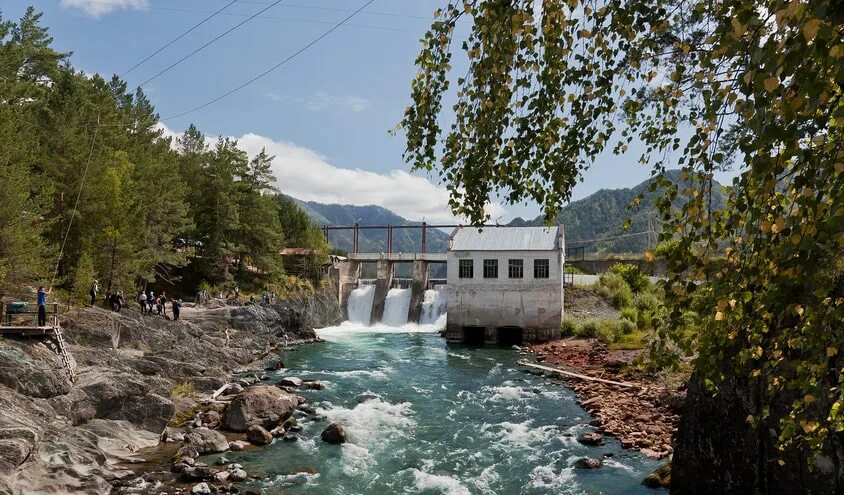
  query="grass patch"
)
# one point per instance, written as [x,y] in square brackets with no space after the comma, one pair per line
[183,390]
[631,341]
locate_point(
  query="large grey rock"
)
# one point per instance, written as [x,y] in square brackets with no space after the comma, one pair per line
[207,441]
[290,381]
[261,405]
[32,369]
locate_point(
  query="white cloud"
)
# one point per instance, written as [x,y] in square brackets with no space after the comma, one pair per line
[322,101]
[99,8]
[307,175]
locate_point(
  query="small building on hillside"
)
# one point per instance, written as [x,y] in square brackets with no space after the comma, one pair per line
[505,284]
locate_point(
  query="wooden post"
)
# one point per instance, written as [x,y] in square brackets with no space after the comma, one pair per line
[389,239]
[424,237]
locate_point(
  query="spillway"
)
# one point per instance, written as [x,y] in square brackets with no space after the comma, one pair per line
[433,306]
[396,306]
[360,304]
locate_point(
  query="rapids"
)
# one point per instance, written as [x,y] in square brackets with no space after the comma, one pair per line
[424,417]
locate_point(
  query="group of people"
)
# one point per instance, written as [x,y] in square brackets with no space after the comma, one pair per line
[150,303]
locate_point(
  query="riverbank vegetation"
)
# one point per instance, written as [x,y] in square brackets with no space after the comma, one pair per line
[93,186]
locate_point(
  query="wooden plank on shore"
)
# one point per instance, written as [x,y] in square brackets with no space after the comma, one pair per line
[219,391]
[578,375]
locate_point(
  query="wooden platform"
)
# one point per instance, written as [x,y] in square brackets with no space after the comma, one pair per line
[26,330]
[14,324]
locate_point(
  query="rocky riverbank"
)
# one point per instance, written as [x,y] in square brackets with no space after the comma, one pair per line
[135,375]
[643,417]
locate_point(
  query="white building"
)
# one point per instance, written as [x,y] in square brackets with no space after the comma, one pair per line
[505,284]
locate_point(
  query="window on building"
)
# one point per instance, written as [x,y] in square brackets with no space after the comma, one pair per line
[540,268]
[466,269]
[516,269]
[490,268]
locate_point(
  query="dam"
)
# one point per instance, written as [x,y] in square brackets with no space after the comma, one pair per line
[497,285]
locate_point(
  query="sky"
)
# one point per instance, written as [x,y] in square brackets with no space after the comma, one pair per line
[325,114]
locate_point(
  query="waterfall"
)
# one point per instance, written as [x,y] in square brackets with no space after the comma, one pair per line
[360,304]
[396,306]
[433,306]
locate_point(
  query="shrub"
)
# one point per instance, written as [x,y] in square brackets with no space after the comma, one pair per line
[627,326]
[568,328]
[631,274]
[588,328]
[610,331]
[613,287]
[646,301]
[667,249]
[630,314]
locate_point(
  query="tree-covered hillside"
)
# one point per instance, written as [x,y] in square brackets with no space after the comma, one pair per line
[598,221]
[375,241]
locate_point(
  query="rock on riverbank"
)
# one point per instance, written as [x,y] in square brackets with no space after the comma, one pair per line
[62,437]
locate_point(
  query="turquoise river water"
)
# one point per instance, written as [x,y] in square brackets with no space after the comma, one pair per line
[429,418]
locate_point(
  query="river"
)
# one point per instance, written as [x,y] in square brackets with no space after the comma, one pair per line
[424,417]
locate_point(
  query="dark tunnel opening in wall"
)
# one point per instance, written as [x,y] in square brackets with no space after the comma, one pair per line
[509,336]
[473,335]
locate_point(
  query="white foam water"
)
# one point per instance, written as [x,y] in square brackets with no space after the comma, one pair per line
[359,305]
[396,307]
[433,306]
[348,331]
[439,483]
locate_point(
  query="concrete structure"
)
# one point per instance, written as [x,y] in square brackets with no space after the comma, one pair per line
[505,284]
[348,276]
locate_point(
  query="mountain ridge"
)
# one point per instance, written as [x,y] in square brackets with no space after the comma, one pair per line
[595,222]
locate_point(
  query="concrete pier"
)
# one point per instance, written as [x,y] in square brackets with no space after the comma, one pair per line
[349,274]
[383,283]
[417,290]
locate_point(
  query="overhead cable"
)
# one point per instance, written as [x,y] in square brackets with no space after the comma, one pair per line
[271,69]
[203,21]
[189,55]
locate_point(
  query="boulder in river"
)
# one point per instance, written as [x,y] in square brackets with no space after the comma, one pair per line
[262,405]
[237,475]
[588,463]
[238,445]
[291,381]
[659,478]
[258,435]
[207,441]
[591,438]
[334,434]
[313,385]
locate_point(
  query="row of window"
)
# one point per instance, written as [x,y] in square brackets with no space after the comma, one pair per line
[515,268]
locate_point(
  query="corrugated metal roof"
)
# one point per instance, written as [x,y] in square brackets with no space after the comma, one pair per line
[504,239]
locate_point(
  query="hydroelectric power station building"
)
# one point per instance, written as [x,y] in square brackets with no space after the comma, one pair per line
[505,284]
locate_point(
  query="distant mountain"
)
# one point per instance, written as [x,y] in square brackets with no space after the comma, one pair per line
[372,241]
[596,221]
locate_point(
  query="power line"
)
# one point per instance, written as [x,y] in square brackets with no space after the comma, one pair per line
[203,21]
[189,55]
[612,237]
[276,66]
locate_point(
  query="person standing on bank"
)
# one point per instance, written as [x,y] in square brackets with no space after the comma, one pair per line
[177,308]
[93,292]
[142,300]
[42,307]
